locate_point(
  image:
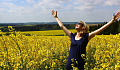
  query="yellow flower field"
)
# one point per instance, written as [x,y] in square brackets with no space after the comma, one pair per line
[51,52]
[48,33]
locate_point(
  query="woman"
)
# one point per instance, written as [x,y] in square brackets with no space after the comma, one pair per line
[79,41]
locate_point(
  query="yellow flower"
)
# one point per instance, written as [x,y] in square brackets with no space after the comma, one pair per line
[102,51]
[72,59]
[46,67]
[117,67]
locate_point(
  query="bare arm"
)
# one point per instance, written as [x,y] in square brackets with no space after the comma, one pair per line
[60,23]
[92,34]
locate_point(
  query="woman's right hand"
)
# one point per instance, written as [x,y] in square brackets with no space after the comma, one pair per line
[60,23]
[54,14]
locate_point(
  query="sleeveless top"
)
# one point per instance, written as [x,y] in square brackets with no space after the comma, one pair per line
[77,54]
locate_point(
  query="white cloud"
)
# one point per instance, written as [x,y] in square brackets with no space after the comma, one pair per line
[63,1]
[2,9]
[30,1]
[68,10]
[112,2]
[9,6]
[97,2]
[84,7]
[87,4]
[7,0]
[46,5]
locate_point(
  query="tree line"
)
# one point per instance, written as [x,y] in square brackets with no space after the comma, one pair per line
[112,29]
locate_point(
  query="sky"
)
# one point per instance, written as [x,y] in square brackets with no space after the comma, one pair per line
[17,11]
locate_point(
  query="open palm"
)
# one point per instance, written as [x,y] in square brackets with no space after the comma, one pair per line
[115,17]
[54,14]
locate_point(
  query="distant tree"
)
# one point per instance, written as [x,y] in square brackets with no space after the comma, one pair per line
[119,26]
[5,29]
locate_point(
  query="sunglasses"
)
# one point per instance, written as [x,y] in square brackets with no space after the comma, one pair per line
[80,24]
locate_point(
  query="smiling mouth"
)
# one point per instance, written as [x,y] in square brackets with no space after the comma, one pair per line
[76,26]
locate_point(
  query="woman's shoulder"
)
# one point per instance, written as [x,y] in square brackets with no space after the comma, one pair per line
[72,35]
[86,34]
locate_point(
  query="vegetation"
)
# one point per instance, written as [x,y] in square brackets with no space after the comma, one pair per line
[112,29]
[18,51]
[33,49]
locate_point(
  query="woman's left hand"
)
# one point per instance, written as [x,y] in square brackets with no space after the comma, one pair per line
[115,17]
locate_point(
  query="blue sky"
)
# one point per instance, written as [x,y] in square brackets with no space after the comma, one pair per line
[12,11]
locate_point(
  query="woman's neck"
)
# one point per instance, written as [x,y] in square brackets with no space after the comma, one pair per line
[79,34]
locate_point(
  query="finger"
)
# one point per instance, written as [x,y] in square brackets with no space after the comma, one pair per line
[53,12]
[117,18]
[117,13]
[113,14]
[56,12]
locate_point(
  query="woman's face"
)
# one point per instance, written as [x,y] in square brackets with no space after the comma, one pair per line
[79,26]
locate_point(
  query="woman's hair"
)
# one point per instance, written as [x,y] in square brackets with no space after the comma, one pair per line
[85,28]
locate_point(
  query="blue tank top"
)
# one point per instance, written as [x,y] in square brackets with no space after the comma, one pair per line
[77,54]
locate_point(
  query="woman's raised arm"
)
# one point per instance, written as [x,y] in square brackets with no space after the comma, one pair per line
[60,23]
[92,34]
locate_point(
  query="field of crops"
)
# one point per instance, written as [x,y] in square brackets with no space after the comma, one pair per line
[51,52]
[47,33]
